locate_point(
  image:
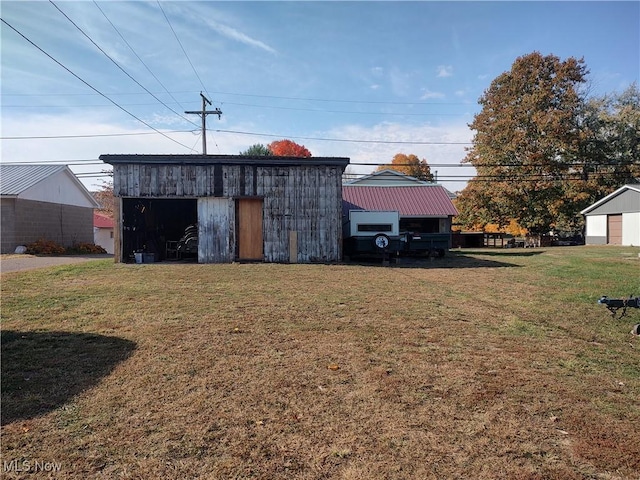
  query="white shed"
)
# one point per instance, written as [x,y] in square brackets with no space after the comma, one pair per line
[615,219]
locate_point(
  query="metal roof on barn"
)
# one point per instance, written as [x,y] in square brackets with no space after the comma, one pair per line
[409,201]
[15,179]
[189,159]
[623,200]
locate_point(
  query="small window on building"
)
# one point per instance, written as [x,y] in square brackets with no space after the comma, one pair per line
[375,227]
[111,233]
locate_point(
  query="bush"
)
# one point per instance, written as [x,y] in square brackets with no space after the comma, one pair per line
[85,248]
[49,247]
[45,247]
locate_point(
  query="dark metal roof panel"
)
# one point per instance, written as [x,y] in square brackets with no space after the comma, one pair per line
[224,160]
[417,201]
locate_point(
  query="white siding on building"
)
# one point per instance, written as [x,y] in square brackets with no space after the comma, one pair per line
[631,229]
[104,238]
[61,187]
[597,226]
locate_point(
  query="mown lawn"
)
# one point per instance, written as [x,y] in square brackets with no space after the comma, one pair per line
[485,364]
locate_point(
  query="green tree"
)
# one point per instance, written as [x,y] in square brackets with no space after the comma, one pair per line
[477,207]
[610,151]
[608,155]
[257,150]
[409,165]
[526,138]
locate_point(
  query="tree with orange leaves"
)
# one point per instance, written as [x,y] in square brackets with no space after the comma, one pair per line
[410,165]
[287,148]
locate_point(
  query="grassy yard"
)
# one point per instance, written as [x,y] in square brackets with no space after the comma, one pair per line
[485,364]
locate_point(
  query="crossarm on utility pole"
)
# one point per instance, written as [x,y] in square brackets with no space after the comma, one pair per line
[203,113]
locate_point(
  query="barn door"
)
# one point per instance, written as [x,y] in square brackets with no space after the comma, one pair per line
[249,222]
[214,230]
[614,229]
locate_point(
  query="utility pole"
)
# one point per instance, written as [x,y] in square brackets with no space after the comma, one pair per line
[203,113]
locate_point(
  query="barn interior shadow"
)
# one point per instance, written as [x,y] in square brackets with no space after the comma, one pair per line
[41,371]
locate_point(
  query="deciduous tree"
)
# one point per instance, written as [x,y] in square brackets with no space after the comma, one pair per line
[105,198]
[609,153]
[257,150]
[409,165]
[288,148]
[526,141]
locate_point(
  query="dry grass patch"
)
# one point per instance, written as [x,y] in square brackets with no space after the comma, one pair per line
[487,364]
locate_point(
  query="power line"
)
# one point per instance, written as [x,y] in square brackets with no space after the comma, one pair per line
[276,107]
[204,133]
[90,161]
[399,142]
[345,111]
[306,99]
[182,47]
[89,85]
[96,135]
[86,105]
[135,53]
[116,63]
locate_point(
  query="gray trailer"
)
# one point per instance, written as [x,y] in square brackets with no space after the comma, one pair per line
[368,232]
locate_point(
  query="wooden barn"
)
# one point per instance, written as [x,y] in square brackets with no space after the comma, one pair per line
[225,208]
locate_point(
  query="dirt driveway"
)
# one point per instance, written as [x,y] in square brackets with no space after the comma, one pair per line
[15,263]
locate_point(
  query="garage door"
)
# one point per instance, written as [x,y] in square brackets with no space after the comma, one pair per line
[614,230]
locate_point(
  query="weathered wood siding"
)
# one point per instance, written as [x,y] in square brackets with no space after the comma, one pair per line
[216,229]
[117,230]
[304,199]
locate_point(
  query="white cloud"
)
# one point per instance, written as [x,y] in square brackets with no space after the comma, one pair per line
[446,152]
[239,36]
[444,71]
[428,94]
[202,13]
[82,152]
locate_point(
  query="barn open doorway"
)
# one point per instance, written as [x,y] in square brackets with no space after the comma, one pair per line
[156,225]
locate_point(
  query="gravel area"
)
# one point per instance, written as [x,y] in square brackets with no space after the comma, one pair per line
[16,263]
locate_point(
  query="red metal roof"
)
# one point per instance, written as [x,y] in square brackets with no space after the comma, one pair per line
[102,221]
[417,201]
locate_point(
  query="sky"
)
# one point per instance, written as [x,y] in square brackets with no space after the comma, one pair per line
[363,80]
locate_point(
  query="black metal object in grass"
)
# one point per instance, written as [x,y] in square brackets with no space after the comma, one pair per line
[614,305]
